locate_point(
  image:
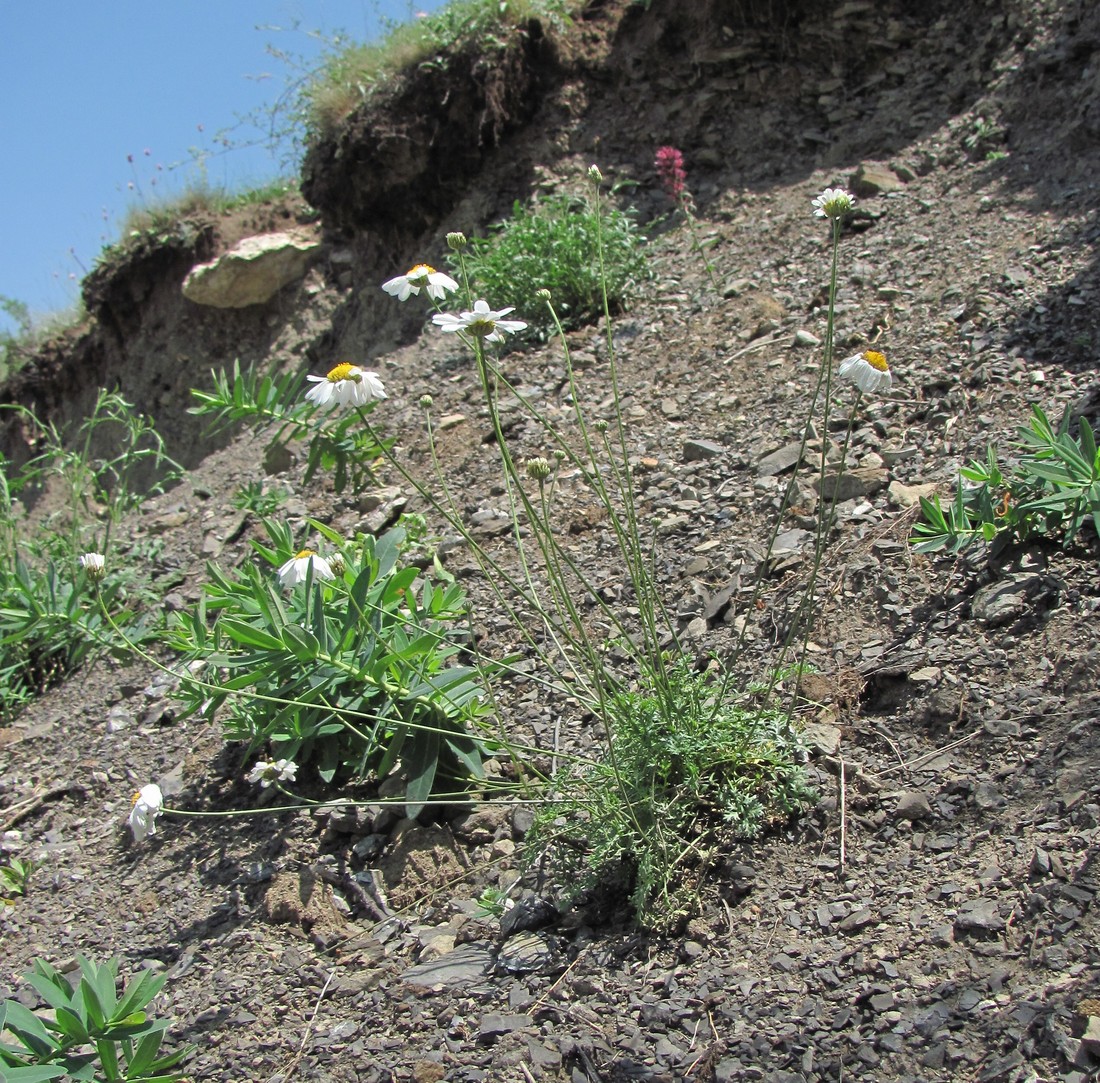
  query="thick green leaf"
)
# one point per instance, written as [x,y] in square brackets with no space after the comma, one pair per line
[33,1073]
[51,986]
[301,643]
[422,763]
[248,635]
[139,991]
[29,1029]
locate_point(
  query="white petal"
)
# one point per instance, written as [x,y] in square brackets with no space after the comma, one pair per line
[400,287]
[373,384]
[445,321]
[321,393]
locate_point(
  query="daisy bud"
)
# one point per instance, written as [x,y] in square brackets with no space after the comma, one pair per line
[456,241]
[425,402]
[94,565]
[601,425]
[543,295]
[594,174]
[538,469]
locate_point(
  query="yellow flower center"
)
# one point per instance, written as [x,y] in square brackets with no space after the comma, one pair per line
[481,328]
[305,554]
[344,371]
[136,798]
[876,360]
[420,273]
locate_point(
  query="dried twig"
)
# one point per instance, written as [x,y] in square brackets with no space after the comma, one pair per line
[843,813]
[22,809]
[288,1072]
[911,764]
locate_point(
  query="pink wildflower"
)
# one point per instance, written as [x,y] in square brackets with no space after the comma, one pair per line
[670,172]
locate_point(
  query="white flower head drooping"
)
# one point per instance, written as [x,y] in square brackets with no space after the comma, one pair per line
[422,277]
[868,371]
[346,385]
[833,203]
[296,570]
[482,322]
[143,816]
[268,772]
[94,565]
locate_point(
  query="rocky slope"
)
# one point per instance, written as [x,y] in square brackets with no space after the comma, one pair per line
[933,919]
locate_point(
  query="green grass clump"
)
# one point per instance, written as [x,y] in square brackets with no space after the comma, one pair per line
[556,246]
[687,769]
[199,197]
[350,72]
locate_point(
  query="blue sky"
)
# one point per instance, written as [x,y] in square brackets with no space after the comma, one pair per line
[86,83]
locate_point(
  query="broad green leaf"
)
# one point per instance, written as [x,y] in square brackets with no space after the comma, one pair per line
[421,763]
[249,636]
[139,991]
[32,1073]
[301,643]
[29,1029]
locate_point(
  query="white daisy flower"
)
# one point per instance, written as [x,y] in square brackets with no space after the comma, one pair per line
[868,371]
[346,385]
[832,203]
[267,772]
[295,570]
[481,323]
[421,277]
[94,565]
[147,805]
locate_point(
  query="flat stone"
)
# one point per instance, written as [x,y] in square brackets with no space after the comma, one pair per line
[1090,1040]
[252,271]
[873,179]
[776,462]
[913,806]
[853,484]
[530,913]
[979,915]
[528,952]
[464,965]
[908,496]
[494,1024]
[698,450]
[822,738]
[893,456]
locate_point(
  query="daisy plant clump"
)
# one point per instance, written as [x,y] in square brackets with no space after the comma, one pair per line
[323,411]
[60,570]
[1052,487]
[338,664]
[89,1029]
[625,667]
